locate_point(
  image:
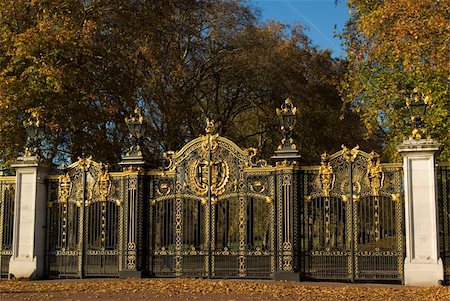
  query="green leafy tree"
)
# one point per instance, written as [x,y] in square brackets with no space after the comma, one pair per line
[394,47]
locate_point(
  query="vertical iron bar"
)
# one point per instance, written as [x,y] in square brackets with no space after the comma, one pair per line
[352,242]
[209,205]
[81,227]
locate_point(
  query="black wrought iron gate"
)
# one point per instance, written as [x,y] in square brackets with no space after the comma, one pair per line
[352,219]
[444,216]
[84,222]
[7,195]
[212,213]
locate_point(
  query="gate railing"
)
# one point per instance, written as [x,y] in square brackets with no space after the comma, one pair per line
[443,171]
[7,190]
[85,221]
[351,218]
[212,213]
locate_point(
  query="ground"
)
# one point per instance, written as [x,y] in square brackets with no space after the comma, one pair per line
[217,290]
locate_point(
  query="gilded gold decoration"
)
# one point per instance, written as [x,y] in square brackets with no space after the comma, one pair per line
[257,187]
[199,173]
[353,231]
[287,114]
[215,173]
[350,154]
[287,256]
[242,236]
[211,126]
[375,173]
[103,182]
[131,258]
[417,104]
[168,156]
[65,187]
[395,197]
[326,175]
[209,144]
[163,189]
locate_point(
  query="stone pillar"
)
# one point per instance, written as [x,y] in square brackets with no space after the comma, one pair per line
[423,265]
[27,260]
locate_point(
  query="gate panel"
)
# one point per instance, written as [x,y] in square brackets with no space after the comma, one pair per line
[63,247]
[352,219]
[193,227]
[326,239]
[444,216]
[7,190]
[164,238]
[102,240]
[84,222]
[212,213]
[227,239]
[260,238]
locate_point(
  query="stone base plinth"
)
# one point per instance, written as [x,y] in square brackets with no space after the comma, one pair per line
[287,276]
[130,274]
[25,268]
[424,274]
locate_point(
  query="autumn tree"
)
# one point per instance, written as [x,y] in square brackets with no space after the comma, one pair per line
[86,64]
[394,47]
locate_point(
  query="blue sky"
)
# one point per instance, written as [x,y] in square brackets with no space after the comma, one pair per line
[319,16]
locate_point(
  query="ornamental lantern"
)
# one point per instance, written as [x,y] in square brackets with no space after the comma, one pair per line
[417,104]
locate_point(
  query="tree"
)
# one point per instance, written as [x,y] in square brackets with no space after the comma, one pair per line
[86,64]
[394,47]
[65,59]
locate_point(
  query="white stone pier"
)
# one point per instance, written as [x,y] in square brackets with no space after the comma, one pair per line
[423,265]
[27,260]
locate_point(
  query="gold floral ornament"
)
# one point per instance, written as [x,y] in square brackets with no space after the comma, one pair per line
[287,114]
[326,175]
[417,104]
[375,173]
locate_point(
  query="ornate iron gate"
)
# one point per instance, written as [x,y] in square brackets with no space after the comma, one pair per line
[85,221]
[212,212]
[352,219]
[7,190]
[444,216]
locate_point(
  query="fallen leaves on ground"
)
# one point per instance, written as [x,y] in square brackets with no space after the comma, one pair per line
[217,290]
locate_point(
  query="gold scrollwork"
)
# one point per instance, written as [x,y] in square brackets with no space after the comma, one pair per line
[163,189]
[209,143]
[257,187]
[199,173]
